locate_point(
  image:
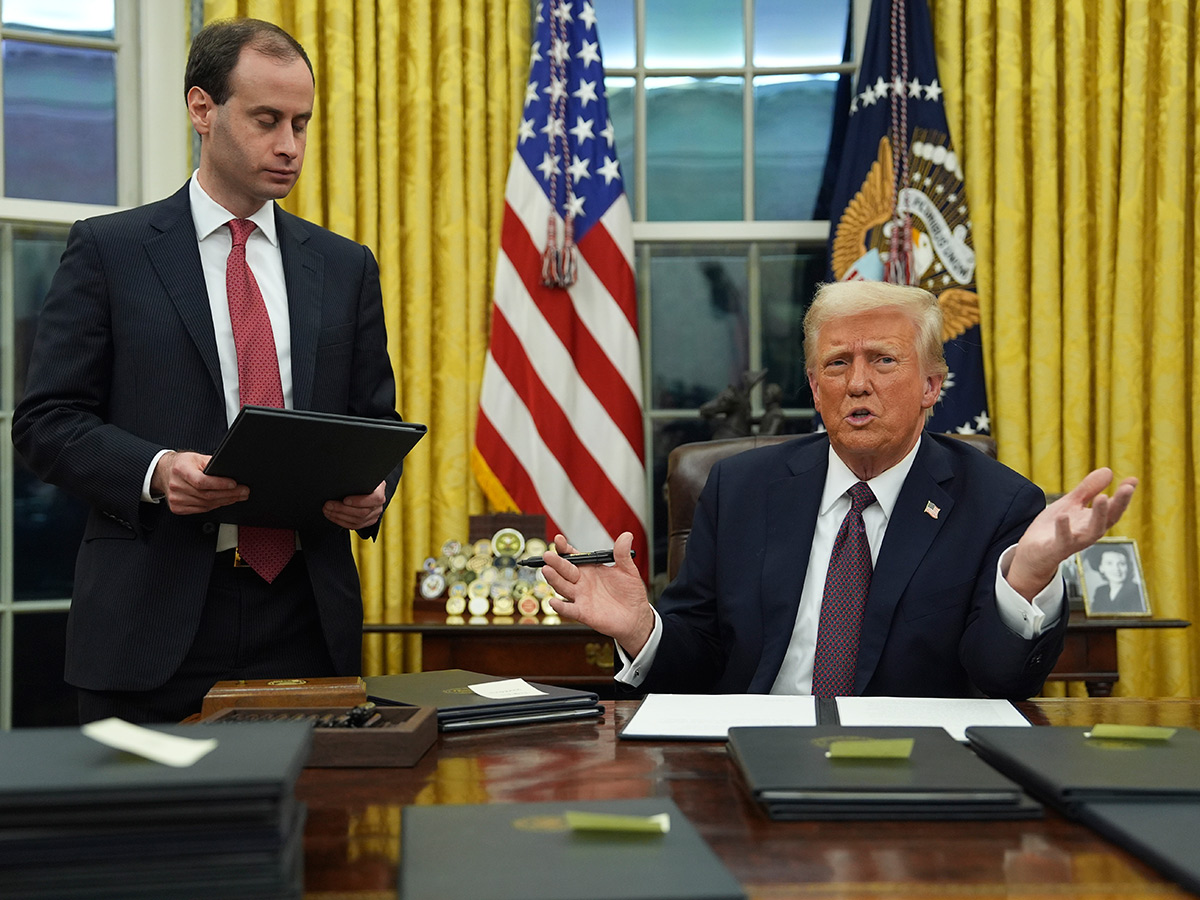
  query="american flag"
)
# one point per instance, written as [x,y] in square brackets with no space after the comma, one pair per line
[560,410]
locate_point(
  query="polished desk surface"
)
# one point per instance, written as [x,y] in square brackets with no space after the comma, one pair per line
[353,834]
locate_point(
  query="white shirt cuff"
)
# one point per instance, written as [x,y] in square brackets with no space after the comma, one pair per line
[1028,619]
[633,673]
[146,498]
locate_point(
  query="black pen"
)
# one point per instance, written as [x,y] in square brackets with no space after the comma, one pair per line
[591,558]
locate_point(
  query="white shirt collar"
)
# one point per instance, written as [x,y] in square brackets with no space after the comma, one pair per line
[885,486]
[208,215]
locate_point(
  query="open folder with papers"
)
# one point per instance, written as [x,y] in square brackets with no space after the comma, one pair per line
[295,460]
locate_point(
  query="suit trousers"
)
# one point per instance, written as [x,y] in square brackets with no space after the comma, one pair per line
[249,629]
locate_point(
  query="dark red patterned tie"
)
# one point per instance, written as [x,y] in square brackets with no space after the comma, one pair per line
[266,550]
[845,597]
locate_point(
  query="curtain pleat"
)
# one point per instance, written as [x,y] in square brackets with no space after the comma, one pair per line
[416,111]
[1078,125]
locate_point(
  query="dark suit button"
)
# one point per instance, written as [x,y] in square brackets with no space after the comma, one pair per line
[1035,659]
[208,527]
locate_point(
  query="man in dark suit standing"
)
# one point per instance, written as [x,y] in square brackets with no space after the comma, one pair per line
[874,559]
[161,322]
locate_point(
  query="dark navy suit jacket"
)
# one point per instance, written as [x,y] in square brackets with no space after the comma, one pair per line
[930,628]
[125,364]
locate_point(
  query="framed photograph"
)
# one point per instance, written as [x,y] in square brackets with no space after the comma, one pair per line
[1069,569]
[1113,584]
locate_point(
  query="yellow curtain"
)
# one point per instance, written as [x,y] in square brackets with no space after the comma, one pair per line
[415,117]
[1079,126]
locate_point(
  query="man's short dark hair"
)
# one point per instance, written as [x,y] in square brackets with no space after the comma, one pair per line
[218,45]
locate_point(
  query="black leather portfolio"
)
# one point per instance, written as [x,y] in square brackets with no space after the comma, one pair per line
[460,709]
[1064,767]
[787,770]
[525,851]
[295,460]
[1164,835]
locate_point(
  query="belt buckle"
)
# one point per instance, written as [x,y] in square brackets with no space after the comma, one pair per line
[238,562]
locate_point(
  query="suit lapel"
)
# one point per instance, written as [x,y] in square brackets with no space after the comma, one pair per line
[175,255]
[791,516]
[303,273]
[910,533]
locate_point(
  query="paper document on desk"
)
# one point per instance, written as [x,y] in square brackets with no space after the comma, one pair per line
[708,717]
[954,714]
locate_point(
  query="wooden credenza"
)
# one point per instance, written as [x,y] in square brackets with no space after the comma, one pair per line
[567,653]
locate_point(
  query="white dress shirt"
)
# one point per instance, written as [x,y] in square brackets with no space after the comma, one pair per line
[795,675]
[266,263]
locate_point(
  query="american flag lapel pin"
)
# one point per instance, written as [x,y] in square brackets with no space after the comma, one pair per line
[931,509]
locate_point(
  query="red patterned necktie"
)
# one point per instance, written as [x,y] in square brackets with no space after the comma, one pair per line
[842,605]
[266,550]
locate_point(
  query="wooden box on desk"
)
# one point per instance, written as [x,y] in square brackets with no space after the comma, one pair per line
[400,738]
[284,693]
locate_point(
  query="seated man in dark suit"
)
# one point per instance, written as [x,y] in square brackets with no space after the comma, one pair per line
[873,559]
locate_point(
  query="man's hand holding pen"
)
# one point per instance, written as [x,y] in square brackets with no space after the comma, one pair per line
[611,599]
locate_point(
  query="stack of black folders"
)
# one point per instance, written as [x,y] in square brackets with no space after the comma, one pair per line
[560,851]
[81,819]
[836,772]
[1140,787]
[461,709]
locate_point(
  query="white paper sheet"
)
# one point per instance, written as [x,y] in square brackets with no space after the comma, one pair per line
[503,690]
[954,713]
[710,716]
[168,749]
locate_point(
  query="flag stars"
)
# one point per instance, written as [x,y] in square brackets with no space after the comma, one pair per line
[531,93]
[548,166]
[579,168]
[983,422]
[553,128]
[563,12]
[610,170]
[588,16]
[559,52]
[557,89]
[575,206]
[589,52]
[933,91]
[914,88]
[535,53]
[586,93]
[525,132]
[897,87]
[608,133]
[583,129]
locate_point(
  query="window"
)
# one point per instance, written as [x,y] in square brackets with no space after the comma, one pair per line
[81,133]
[722,111]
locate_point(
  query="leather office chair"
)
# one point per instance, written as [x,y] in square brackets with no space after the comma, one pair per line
[687,469]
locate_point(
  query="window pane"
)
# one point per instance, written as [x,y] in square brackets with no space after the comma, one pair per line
[60,123]
[703,33]
[694,149]
[615,26]
[41,699]
[793,118]
[47,523]
[669,434]
[799,32]
[699,339]
[619,93]
[87,18]
[788,277]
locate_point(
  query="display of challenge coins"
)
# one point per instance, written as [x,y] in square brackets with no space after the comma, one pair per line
[481,577]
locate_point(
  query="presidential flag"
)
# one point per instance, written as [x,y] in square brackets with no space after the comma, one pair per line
[898,209]
[560,412]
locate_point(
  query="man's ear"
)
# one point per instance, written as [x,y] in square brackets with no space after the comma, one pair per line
[933,389]
[201,110]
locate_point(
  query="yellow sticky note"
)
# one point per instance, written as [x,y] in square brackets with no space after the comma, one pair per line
[1131,732]
[590,821]
[891,748]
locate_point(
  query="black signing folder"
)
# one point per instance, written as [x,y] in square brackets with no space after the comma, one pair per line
[293,461]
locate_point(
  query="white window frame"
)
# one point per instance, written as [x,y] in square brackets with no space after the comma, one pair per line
[153,148]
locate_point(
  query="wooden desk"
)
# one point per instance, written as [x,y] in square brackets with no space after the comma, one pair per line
[571,654]
[353,835]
